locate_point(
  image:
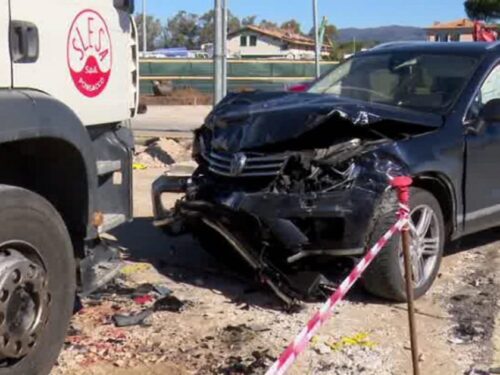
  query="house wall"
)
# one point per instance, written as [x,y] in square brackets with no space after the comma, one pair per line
[450,35]
[265,46]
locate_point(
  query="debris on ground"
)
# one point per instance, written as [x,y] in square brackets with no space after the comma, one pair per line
[139,166]
[161,153]
[178,96]
[227,326]
[236,365]
[168,303]
[360,339]
[121,320]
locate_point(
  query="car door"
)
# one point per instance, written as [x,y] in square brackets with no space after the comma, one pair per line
[5,63]
[482,177]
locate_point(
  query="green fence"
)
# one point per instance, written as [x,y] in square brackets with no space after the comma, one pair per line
[257,74]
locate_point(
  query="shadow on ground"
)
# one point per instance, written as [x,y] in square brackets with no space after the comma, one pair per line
[183,260]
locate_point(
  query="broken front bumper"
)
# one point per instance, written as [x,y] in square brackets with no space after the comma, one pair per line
[333,223]
[270,231]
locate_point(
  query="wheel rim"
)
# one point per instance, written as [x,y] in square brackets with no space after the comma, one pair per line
[425,244]
[24,299]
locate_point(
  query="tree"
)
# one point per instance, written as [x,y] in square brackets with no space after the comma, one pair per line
[291,25]
[207,26]
[249,20]
[265,24]
[483,9]
[182,30]
[331,33]
[153,32]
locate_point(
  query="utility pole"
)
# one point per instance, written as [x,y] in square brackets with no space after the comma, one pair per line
[144,28]
[316,39]
[224,46]
[218,52]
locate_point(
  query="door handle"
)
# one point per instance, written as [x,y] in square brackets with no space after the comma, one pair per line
[24,42]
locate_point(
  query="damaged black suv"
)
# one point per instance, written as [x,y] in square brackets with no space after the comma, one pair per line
[290,180]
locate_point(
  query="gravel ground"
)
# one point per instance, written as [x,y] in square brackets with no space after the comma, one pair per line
[230,325]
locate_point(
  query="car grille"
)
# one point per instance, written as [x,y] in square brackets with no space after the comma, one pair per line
[244,164]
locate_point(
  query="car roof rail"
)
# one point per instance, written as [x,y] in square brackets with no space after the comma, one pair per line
[397,43]
[494,45]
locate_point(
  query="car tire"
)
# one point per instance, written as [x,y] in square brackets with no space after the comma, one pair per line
[36,248]
[385,276]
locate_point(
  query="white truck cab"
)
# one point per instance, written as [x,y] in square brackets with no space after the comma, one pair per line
[68,89]
[82,52]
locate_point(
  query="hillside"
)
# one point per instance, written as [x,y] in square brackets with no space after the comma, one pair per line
[382,34]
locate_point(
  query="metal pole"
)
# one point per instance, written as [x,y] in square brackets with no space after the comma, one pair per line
[224,46]
[409,297]
[144,28]
[316,39]
[218,52]
[402,184]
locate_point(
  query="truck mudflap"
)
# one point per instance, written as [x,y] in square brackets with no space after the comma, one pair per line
[101,264]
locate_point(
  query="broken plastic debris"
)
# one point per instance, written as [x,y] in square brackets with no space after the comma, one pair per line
[121,320]
[142,300]
[168,303]
[163,291]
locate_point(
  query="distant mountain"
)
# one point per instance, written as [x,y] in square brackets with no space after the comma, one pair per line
[382,34]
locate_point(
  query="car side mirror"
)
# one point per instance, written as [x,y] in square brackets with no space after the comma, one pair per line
[488,114]
[491,111]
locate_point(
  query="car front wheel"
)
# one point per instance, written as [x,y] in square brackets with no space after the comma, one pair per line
[385,277]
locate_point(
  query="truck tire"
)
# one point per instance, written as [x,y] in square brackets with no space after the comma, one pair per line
[385,276]
[37,282]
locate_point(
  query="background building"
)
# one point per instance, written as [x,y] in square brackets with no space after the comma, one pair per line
[257,42]
[454,31]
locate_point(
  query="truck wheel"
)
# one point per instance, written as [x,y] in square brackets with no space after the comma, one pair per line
[37,282]
[385,276]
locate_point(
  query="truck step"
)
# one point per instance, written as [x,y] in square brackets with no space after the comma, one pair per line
[111,221]
[105,167]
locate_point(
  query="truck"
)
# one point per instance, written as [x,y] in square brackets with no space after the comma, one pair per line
[68,90]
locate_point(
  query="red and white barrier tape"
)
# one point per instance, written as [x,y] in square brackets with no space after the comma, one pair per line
[299,344]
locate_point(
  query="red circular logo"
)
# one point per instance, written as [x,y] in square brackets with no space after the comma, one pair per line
[89,53]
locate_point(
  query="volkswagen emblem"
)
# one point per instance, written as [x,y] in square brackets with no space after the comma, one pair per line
[238,163]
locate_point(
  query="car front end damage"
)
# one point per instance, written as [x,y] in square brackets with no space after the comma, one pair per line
[283,204]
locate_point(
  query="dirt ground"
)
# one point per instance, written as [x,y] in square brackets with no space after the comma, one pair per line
[230,325]
[181,96]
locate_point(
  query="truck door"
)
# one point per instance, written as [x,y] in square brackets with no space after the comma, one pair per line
[5,64]
[482,186]
[78,51]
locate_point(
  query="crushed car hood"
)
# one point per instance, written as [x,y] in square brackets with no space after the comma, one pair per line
[252,120]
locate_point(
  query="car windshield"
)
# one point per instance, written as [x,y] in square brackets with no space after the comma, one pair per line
[422,81]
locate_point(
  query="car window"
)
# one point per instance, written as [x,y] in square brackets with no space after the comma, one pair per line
[489,90]
[491,87]
[417,80]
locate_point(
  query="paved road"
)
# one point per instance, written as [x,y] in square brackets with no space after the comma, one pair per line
[170,119]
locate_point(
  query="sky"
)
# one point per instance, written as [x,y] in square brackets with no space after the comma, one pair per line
[342,13]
